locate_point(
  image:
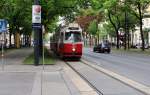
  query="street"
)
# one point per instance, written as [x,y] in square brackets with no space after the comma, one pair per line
[74,47]
[129,65]
[132,66]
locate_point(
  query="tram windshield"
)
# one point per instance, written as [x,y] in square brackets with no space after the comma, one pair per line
[73,37]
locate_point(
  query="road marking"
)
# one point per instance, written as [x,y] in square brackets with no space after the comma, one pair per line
[140,87]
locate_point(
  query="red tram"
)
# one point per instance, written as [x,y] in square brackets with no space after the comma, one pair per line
[67,41]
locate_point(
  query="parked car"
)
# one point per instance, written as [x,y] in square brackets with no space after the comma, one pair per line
[138,46]
[103,47]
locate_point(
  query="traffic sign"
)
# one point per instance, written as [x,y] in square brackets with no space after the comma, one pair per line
[3,25]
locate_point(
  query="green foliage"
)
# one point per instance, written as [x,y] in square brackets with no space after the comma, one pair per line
[136,4]
[52,9]
[97,4]
[109,29]
[84,4]
[18,14]
[117,10]
[87,12]
[92,29]
[109,4]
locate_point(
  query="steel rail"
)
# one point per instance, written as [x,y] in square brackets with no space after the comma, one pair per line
[113,77]
[90,84]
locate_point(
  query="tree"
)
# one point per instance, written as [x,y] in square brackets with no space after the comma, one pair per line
[92,29]
[18,13]
[53,9]
[139,7]
[87,16]
[114,15]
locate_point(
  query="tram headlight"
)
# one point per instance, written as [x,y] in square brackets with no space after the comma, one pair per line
[73,49]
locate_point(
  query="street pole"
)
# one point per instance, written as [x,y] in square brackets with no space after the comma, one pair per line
[36,20]
[36,47]
[3,29]
[125,34]
[2,54]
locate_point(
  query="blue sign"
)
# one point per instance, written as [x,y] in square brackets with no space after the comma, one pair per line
[3,25]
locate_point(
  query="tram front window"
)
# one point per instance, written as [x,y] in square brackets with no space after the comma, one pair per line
[77,37]
[73,37]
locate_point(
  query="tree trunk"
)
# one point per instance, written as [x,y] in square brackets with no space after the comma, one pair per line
[141,31]
[116,29]
[17,40]
[125,34]
[148,38]
[125,39]
[29,41]
[10,44]
[117,39]
[98,39]
[128,40]
[132,37]
[84,38]
[24,38]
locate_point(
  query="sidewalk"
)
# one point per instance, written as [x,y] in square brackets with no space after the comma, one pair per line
[19,79]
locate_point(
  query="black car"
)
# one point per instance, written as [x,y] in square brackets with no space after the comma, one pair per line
[103,47]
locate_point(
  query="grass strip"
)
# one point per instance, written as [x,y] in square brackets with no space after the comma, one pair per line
[48,59]
[136,51]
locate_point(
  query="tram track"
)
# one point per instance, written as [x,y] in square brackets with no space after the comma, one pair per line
[85,79]
[133,84]
[130,83]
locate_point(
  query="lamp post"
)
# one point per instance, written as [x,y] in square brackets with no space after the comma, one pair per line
[36,21]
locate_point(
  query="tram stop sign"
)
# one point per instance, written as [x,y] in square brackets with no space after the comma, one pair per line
[36,14]
[3,25]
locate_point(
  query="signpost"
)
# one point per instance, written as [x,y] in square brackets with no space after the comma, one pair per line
[36,24]
[3,29]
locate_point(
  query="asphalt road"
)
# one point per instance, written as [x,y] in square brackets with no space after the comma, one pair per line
[132,66]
